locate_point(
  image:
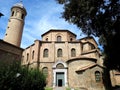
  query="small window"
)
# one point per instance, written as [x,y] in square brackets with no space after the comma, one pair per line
[45,71]
[59,53]
[73,52]
[97,76]
[12,13]
[45,53]
[33,54]
[46,39]
[59,38]
[71,39]
[22,17]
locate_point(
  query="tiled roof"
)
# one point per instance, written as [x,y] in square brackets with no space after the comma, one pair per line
[86,67]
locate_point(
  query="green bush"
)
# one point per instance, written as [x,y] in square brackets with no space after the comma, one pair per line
[16,77]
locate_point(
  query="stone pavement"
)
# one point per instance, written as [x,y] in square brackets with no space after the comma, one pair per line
[59,88]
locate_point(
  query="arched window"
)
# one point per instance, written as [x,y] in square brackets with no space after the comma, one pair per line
[59,53]
[12,13]
[45,53]
[46,39]
[71,39]
[97,76]
[59,38]
[33,54]
[73,52]
[22,16]
[45,71]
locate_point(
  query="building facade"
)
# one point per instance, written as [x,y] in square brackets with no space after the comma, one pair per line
[9,53]
[65,60]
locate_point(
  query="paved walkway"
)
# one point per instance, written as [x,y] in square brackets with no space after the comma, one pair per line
[59,88]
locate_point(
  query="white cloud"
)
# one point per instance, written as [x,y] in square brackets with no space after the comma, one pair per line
[42,15]
[42,22]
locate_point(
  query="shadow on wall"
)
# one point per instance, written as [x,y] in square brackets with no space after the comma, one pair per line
[116,87]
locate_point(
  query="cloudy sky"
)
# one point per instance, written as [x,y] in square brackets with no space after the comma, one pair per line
[42,15]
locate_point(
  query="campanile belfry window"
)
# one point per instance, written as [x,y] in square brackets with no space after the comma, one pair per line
[12,13]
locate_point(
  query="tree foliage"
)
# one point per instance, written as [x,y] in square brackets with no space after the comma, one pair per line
[15,77]
[100,18]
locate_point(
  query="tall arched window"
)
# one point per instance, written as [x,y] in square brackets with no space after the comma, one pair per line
[97,76]
[12,13]
[73,52]
[59,53]
[59,38]
[22,16]
[45,53]
[45,71]
[33,54]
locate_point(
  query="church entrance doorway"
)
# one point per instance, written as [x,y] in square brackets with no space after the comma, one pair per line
[60,74]
[60,79]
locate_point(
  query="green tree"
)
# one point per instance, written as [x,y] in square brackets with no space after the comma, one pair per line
[100,18]
[15,77]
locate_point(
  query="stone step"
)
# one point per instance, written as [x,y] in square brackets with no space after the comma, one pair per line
[59,88]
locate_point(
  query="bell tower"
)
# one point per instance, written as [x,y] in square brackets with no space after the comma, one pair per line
[15,24]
